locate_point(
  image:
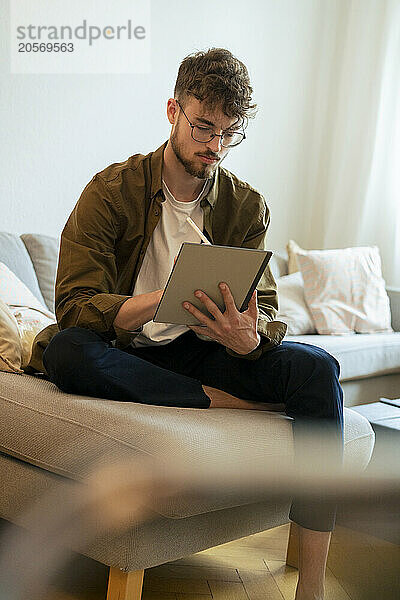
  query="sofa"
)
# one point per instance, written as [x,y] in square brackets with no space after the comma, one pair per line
[50,439]
[370,363]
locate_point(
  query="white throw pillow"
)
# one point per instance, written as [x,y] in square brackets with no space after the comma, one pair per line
[293,309]
[15,293]
[345,291]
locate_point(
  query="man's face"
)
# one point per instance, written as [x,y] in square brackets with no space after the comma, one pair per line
[191,153]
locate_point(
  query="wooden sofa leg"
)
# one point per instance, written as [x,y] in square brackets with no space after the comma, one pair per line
[124,586]
[292,553]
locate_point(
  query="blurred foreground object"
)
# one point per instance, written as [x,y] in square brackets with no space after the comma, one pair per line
[115,495]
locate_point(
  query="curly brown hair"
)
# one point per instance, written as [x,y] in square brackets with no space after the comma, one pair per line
[219,79]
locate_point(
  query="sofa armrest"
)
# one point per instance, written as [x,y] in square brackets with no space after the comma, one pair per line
[394,297]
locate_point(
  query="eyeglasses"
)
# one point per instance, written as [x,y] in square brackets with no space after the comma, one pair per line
[206,134]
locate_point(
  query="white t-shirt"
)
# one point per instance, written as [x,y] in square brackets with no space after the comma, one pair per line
[171,230]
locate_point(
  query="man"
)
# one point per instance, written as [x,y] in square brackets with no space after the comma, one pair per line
[117,250]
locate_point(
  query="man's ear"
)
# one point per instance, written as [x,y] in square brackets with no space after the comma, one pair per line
[171,110]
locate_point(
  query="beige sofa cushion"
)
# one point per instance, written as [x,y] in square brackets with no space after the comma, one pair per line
[68,434]
[364,355]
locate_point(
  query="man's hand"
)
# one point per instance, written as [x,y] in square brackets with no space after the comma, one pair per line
[233,329]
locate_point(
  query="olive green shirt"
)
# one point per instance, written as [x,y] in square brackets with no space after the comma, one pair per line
[106,235]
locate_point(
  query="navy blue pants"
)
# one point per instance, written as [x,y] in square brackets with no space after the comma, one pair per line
[305,378]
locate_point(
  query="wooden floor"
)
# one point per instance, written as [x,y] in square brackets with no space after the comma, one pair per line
[360,567]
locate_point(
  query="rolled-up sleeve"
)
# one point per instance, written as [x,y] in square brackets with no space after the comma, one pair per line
[87,271]
[271,332]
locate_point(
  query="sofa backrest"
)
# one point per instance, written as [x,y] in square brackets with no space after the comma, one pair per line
[43,251]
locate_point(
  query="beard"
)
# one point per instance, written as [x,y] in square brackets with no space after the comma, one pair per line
[203,171]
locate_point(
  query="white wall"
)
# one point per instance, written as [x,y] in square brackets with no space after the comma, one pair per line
[58,130]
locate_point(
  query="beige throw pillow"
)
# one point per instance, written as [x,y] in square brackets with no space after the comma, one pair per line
[22,316]
[30,321]
[10,342]
[344,289]
[292,250]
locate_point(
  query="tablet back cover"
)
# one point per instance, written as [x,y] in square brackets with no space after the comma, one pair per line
[203,267]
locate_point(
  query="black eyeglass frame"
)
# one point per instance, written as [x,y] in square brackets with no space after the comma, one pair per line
[213,135]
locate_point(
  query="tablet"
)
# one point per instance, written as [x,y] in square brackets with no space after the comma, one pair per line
[203,267]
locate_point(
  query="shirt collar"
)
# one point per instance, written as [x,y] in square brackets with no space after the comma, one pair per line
[157,162]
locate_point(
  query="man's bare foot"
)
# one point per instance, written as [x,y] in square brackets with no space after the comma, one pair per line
[221,399]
